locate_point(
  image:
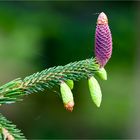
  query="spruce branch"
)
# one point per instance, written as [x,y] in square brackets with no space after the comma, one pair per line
[10,92]
[48,78]
[8,131]
[53,76]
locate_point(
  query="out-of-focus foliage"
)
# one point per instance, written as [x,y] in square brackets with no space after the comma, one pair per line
[37,35]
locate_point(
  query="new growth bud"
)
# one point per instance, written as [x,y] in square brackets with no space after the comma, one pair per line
[102,19]
[70,83]
[67,96]
[103,40]
[95,91]
[102,73]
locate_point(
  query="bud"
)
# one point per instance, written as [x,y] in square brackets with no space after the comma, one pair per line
[67,96]
[102,73]
[69,106]
[95,91]
[103,40]
[70,83]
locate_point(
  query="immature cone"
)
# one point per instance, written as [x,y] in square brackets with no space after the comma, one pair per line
[103,40]
[70,83]
[102,73]
[95,91]
[67,96]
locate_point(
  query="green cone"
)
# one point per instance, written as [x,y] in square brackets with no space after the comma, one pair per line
[102,74]
[95,91]
[67,96]
[70,83]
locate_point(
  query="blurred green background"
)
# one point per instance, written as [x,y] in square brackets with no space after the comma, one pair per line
[37,35]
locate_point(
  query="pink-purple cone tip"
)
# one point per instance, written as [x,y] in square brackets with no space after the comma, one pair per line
[103,40]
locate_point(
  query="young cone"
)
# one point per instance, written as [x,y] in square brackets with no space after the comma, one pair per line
[70,83]
[67,96]
[95,91]
[102,73]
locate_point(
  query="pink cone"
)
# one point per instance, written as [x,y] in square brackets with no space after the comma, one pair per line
[103,40]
